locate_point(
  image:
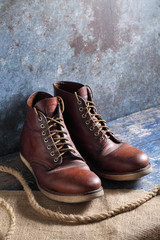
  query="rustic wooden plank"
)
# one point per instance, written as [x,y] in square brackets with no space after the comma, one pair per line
[140,129]
[7,181]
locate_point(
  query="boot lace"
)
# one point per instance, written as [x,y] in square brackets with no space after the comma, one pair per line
[62,143]
[94,116]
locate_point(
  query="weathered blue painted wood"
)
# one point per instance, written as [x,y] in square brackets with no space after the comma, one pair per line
[141,129]
[138,128]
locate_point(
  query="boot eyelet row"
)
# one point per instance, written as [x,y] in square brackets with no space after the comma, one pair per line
[40,119]
[84,116]
[101,139]
[79,102]
[91,128]
[87,122]
[52,154]
[42,126]
[49,147]
[81,109]
[45,140]
[43,133]
[96,134]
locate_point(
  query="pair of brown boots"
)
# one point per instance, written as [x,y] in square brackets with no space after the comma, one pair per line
[64,137]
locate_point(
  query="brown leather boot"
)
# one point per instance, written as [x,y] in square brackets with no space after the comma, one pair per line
[107,155]
[48,151]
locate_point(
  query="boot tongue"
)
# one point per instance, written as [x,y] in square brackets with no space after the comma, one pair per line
[47,106]
[83,92]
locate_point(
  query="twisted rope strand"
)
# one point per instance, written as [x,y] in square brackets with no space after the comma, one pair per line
[9,209]
[71,218]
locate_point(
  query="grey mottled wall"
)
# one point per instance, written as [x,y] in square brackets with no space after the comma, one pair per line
[113,46]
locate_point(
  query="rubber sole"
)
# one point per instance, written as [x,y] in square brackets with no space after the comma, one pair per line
[62,197]
[123,176]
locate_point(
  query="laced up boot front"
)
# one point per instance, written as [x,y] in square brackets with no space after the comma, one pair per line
[48,151]
[105,153]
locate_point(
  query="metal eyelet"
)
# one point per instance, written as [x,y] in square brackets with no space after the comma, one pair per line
[43,133]
[87,122]
[45,140]
[96,134]
[79,102]
[42,126]
[55,159]
[40,119]
[101,138]
[51,154]
[84,116]
[91,128]
[81,109]
[49,147]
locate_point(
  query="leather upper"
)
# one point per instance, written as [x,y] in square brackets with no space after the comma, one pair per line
[68,173]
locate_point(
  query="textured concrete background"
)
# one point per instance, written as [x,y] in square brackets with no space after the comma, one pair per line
[113,46]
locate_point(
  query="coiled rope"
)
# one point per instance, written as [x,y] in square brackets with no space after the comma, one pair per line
[71,218]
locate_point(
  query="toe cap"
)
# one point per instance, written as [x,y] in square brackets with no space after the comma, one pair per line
[73,180]
[140,160]
[91,182]
[125,159]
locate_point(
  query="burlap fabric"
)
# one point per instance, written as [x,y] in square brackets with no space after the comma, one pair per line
[141,223]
